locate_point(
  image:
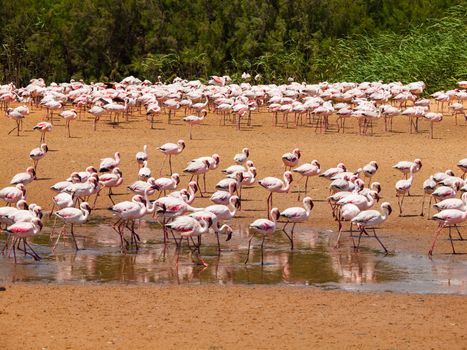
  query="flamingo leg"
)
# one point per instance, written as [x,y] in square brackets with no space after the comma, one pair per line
[249,246]
[438,231]
[262,251]
[423,202]
[458,232]
[452,243]
[377,238]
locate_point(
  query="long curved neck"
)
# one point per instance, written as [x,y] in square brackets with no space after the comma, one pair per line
[204,226]
[234,209]
[222,229]
[286,186]
[85,214]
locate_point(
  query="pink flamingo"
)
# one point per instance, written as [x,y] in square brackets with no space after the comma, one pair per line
[171,149]
[448,218]
[372,218]
[21,231]
[142,155]
[38,153]
[265,227]
[296,215]
[197,169]
[12,194]
[69,115]
[195,120]
[164,183]
[17,117]
[291,159]
[307,170]
[273,184]
[346,213]
[242,157]
[72,216]
[110,181]
[107,164]
[43,127]
[25,177]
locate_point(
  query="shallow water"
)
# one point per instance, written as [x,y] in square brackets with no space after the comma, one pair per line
[313,262]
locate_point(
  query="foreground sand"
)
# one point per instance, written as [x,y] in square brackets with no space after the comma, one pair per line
[213,317]
[89,317]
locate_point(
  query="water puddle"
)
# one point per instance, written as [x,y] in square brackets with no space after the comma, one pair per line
[312,263]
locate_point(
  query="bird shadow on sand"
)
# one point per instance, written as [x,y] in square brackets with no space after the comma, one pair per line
[409,215]
[43,178]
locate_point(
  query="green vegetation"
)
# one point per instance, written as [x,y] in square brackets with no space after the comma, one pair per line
[311,40]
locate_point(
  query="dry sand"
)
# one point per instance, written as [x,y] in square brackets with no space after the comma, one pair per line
[57,317]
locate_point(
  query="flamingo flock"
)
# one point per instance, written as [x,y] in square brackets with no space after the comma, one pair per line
[299,104]
[352,195]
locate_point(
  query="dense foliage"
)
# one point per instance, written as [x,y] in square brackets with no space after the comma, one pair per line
[307,39]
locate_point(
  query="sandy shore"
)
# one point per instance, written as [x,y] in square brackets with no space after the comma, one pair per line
[126,317]
[87,317]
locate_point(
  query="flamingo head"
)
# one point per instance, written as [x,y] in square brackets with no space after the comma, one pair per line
[316,163]
[181,143]
[216,158]
[418,162]
[376,186]
[297,152]
[235,201]
[117,171]
[288,176]
[275,214]
[44,147]
[387,206]
[194,186]
[38,223]
[249,163]
[38,211]
[31,171]
[342,166]
[246,151]
[253,171]
[373,163]
[308,203]
[228,232]
[176,178]
[91,169]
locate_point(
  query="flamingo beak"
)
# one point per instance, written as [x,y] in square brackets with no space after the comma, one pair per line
[229,237]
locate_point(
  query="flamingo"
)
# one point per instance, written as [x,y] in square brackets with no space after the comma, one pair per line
[370,170]
[237,168]
[107,164]
[331,172]
[62,200]
[6,213]
[144,172]
[38,153]
[195,120]
[263,227]
[273,184]
[197,168]
[223,197]
[361,201]
[139,187]
[429,186]
[224,212]
[433,117]
[189,227]
[12,194]
[462,165]
[21,231]
[346,213]
[27,214]
[242,157]
[117,109]
[96,111]
[307,170]
[296,215]
[370,219]
[453,203]
[444,192]
[170,149]
[69,116]
[187,195]
[224,229]
[17,116]
[142,156]
[51,106]
[172,105]
[114,179]
[164,183]
[291,159]
[447,217]
[24,178]
[405,166]
[72,216]
[403,187]
[130,211]
[43,127]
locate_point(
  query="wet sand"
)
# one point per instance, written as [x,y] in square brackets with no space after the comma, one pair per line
[237,317]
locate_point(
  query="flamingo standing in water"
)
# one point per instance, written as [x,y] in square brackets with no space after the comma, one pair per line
[43,127]
[37,154]
[447,218]
[72,216]
[265,227]
[370,219]
[195,120]
[189,227]
[346,213]
[273,184]
[21,231]
[296,215]
[69,116]
[224,229]
[171,149]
